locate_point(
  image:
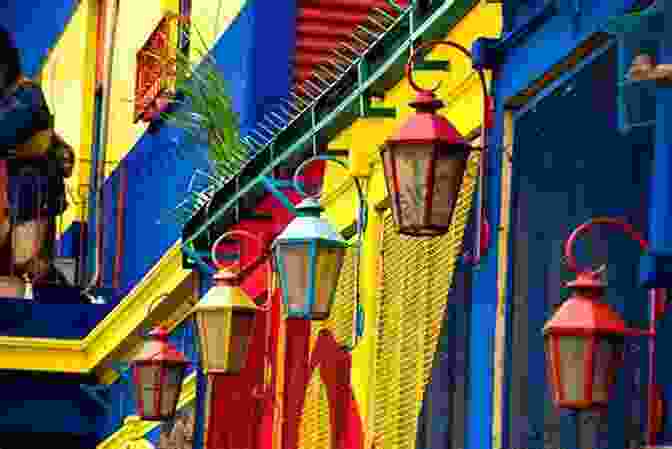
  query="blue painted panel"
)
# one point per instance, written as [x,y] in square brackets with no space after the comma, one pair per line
[484,305]
[660,215]
[68,244]
[274,49]
[600,174]
[553,40]
[36,26]
[442,423]
[20,318]
[42,405]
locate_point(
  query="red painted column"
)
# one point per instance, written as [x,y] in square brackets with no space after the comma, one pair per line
[297,374]
[237,408]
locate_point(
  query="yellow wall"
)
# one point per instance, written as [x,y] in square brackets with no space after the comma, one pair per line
[67,77]
[461,93]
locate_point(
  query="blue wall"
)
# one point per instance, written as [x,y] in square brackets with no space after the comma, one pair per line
[274,44]
[36,26]
[554,40]
[37,404]
[161,164]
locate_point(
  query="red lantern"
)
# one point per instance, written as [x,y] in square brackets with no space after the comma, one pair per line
[424,165]
[583,346]
[158,372]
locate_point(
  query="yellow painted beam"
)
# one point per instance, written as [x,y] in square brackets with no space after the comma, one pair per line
[502,273]
[364,356]
[41,354]
[104,341]
[134,428]
[160,281]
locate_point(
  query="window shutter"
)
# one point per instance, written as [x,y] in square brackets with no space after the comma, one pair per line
[416,276]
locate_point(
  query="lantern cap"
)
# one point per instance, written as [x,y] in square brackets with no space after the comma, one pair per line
[588,280]
[427,127]
[583,316]
[225,276]
[158,349]
[309,226]
[222,297]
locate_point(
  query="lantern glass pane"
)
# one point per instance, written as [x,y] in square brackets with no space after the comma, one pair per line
[149,379]
[412,162]
[448,174]
[607,351]
[295,260]
[170,390]
[213,328]
[241,333]
[327,271]
[550,367]
[388,162]
[573,366]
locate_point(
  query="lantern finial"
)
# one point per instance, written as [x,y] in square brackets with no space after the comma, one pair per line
[225,277]
[426,101]
[309,207]
[159,333]
[589,283]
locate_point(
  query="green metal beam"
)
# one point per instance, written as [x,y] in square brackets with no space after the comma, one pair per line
[434,64]
[308,136]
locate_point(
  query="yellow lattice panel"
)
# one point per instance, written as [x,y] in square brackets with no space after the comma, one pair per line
[315,430]
[416,276]
[341,320]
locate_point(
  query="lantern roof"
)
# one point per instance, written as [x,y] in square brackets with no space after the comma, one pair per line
[426,126]
[225,296]
[159,349]
[580,315]
[308,225]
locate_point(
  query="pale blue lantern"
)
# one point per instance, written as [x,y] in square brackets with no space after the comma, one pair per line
[308,257]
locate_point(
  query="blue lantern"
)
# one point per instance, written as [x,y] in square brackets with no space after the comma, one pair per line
[308,257]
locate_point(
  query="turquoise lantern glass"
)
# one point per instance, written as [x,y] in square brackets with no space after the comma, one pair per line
[308,257]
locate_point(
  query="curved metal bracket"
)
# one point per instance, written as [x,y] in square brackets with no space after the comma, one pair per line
[617,223]
[241,273]
[481,244]
[362,219]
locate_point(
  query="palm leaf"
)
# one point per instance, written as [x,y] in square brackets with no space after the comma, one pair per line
[206,112]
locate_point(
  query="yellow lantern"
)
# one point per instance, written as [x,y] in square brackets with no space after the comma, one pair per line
[225,322]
